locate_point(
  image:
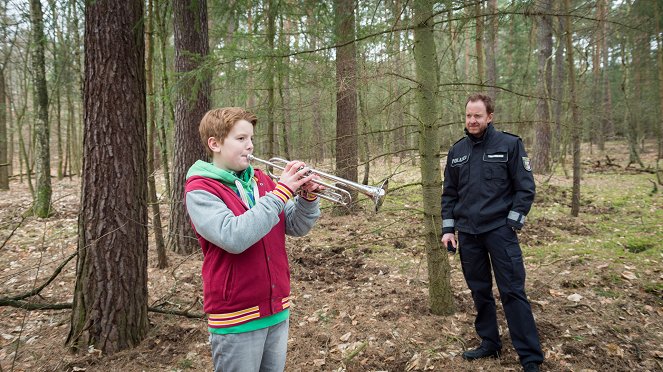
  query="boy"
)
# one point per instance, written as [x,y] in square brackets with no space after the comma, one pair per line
[241,217]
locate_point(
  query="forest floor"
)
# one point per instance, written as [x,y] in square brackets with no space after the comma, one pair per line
[360,287]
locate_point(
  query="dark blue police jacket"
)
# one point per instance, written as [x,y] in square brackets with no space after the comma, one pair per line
[488,183]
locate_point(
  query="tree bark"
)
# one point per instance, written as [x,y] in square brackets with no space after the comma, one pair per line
[162,259]
[607,126]
[42,202]
[167,116]
[425,56]
[575,121]
[346,93]
[541,158]
[558,90]
[271,117]
[4,163]
[110,298]
[659,60]
[491,62]
[478,41]
[193,101]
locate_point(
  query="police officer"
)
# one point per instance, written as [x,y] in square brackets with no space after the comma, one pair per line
[488,191]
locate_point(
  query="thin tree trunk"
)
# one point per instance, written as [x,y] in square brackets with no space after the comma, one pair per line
[42,202]
[575,126]
[425,55]
[607,125]
[659,59]
[167,116]
[346,93]
[558,91]
[110,297]
[541,158]
[271,121]
[4,162]
[491,59]
[152,200]
[193,101]
[318,147]
[478,41]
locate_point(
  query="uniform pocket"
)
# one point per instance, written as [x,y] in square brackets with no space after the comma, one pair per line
[494,164]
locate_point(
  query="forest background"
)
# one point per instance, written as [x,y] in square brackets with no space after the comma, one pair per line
[103,99]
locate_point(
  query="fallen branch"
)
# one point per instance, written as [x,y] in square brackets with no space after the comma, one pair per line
[185,313]
[26,305]
[36,291]
[579,305]
[13,231]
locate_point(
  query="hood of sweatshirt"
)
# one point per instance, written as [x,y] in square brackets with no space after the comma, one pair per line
[228,178]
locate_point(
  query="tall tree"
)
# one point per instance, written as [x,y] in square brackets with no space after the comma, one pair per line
[346,91]
[110,297]
[541,158]
[271,121]
[162,259]
[167,115]
[606,109]
[4,161]
[659,62]
[558,87]
[478,40]
[491,58]
[42,202]
[575,117]
[193,100]
[425,55]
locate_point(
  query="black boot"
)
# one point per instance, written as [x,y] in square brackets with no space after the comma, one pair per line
[479,353]
[531,367]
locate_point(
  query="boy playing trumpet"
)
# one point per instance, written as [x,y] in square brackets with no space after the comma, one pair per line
[241,217]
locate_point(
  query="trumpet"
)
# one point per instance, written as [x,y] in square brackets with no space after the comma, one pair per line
[336,191]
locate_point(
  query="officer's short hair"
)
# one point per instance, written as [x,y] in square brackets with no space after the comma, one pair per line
[490,108]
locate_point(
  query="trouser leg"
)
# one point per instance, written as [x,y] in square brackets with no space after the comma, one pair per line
[507,261]
[476,269]
[276,347]
[261,350]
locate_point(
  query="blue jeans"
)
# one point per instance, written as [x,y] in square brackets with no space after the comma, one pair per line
[261,350]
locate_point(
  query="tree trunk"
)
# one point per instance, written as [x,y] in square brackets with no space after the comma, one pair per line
[167,112]
[193,101]
[541,158]
[153,201]
[110,299]
[346,93]
[58,70]
[607,126]
[425,56]
[659,60]
[558,91]
[42,202]
[478,41]
[269,76]
[491,62]
[318,147]
[575,121]
[4,161]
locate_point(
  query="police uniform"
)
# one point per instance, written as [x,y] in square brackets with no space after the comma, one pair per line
[488,191]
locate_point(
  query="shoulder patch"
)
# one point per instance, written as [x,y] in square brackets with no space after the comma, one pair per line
[527,164]
[511,134]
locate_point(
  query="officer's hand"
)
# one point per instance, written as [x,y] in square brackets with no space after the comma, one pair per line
[449,241]
[514,225]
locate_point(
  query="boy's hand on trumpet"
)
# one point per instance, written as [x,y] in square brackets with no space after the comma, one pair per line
[295,174]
